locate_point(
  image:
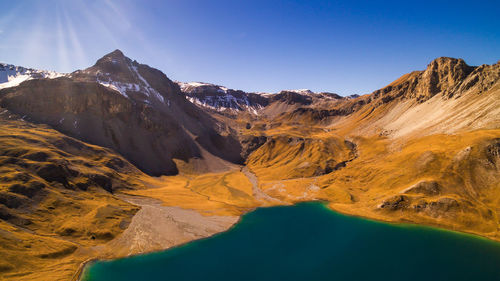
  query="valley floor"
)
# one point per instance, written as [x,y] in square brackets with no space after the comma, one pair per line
[199,205]
[434,180]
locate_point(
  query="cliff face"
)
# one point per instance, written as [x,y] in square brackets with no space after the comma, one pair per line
[448,97]
[443,75]
[447,77]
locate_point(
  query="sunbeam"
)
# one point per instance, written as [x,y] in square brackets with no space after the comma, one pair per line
[35,42]
[96,24]
[77,49]
[62,47]
[62,35]
[119,18]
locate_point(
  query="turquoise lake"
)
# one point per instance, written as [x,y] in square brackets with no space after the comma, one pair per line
[307,241]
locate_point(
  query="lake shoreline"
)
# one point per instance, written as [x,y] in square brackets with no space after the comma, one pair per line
[409,222]
[188,221]
[367,237]
[327,205]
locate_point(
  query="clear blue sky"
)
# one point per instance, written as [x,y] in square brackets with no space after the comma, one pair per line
[347,47]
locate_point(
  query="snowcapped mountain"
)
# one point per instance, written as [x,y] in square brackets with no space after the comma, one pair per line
[222,99]
[11,75]
[126,77]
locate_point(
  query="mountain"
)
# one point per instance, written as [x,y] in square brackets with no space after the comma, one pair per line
[121,74]
[448,97]
[229,101]
[131,108]
[222,99]
[117,159]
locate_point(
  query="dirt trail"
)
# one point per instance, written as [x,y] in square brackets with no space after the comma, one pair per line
[256,191]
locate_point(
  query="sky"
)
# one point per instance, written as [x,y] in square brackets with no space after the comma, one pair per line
[344,47]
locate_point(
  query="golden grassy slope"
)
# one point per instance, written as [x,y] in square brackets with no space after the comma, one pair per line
[442,179]
[225,193]
[59,203]
[48,220]
[447,180]
[283,157]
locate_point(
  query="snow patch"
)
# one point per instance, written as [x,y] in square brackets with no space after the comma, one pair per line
[218,98]
[149,90]
[11,75]
[116,86]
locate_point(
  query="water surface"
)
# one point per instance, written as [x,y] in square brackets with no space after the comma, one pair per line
[309,242]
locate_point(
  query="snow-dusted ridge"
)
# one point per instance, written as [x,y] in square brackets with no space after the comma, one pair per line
[222,99]
[301,91]
[198,86]
[11,75]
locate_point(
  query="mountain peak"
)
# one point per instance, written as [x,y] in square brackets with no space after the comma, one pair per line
[443,74]
[114,58]
[129,78]
[116,53]
[446,59]
[449,63]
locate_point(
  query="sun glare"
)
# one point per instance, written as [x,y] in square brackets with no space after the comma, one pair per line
[63,32]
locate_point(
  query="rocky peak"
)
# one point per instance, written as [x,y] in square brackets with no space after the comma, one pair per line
[306,94]
[129,78]
[114,58]
[292,97]
[114,63]
[301,91]
[333,95]
[202,88]
[116,53]
[222,99]
[449,69]
[443,74]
